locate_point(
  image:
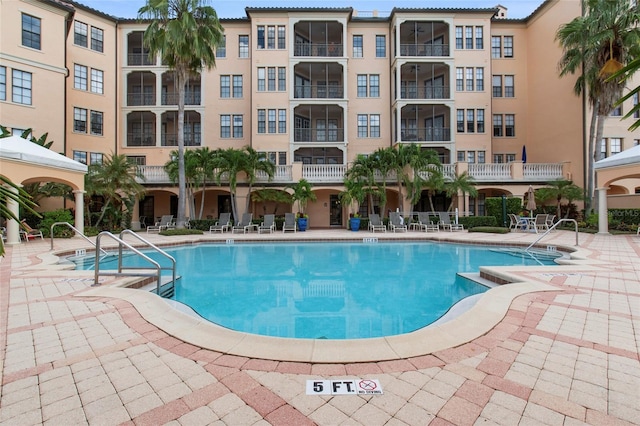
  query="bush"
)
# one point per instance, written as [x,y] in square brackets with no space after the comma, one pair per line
[625,216]
[493,206]
[490,229]
[474,221]
[185,231]
[61,231]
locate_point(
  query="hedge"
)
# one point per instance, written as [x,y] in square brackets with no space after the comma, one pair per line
[493,206]
[474,221]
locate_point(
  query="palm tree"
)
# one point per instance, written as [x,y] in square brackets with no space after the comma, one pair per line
[362,168]
[460,184]
[625,74]
[434,183]
[413,161]
[558,190]
[191,174]
[602,40]
[185,33]
[115,180]
[230,163]
[206,161]
[385,161]
[254,163]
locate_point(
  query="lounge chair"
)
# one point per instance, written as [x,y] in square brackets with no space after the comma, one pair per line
[445,221]
[540,224]
[396,222]
[424,223]
[244,225]
[289,223]
[550,219]
[223,223]
[375,224]
[268,224]
[166,222]
[516,223]
[28,233]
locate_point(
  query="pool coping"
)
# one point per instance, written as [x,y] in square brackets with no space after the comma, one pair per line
[484,315]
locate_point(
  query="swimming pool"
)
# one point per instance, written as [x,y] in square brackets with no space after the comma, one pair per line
[328,290]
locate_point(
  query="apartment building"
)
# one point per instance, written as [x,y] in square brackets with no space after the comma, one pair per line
[311,88]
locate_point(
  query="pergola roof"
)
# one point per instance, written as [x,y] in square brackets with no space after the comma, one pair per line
[20,149]
[627,157]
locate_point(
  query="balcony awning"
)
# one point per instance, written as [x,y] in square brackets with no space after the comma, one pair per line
[20,149]
[627,157]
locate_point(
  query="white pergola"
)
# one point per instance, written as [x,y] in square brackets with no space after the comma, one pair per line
[23,161]
[625,164]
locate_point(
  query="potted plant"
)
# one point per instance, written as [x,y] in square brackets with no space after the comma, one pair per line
[302,194]
[353,196]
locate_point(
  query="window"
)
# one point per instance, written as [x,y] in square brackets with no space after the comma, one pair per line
[615,145]
[509,90]
[480,79]
[262,121]
[362,85]
[363,126]
[374,85]
[357,46]
[462,155]
[261,79]
[3,83]
[471,121]
[80,156]
[468,37]
[509,125]
[507,51]
[496,85]
[96,157]
[282,158]
[21,87]
[460,121]
[282,121]
[481,157]
[470,85]
[459,44]
[459,79]
[497,125]
[281,37]
[272,120]
[496,47]
[480,120]
[510,158]
[479,38]
[282,79]
[271,79]
[138,160]
[237,126]
[636,114]
[381,46]
[80,34]
[243,46]
[498,158]
[271,37]
[617,111]
[374,125]
[97,37]
[260,42]
[225,86]
[237,86]
[96,123]
[603,148]
[471,156]
[80,120]
[30,31]
[221,50]
[225,126]
[79,77]
[97,78]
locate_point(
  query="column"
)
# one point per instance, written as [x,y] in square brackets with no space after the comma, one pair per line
[79,219]
[603,213]
[13,227]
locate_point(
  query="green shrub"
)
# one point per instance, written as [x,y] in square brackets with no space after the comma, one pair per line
[490,229]
[625,216]
[493,206]
[473,221]
[184,231]
[60,231]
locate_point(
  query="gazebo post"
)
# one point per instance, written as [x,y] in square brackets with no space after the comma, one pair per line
[603,213]
[79,210]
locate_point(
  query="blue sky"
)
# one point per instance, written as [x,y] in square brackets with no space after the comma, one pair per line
[235,8]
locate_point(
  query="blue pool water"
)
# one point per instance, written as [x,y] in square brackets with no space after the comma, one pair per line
[326,290]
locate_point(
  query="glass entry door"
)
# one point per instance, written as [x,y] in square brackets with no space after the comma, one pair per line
[335,211]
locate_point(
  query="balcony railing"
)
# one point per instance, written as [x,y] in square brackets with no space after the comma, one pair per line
[139,99]
[318,49]
[319,91]
[158,174]
[542,171]
[282,174]
[190,98]
[171,139]
[141,139]
[490,171]
[442,92]
[137,59]
[429,134]
[318,135]
[424,49]
[324,172]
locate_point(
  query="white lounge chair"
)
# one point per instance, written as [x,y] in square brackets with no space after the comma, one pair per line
[446,223]
[396,222]
[540,224]
[289,223]
[28,233]
[375,224]
[424,223]
[166,222]
[223,224]
[268,224]
[244,225]
[516,223]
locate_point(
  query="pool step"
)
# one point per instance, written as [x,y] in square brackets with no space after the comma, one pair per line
[167,287]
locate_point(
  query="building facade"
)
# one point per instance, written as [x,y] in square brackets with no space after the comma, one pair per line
[311,88]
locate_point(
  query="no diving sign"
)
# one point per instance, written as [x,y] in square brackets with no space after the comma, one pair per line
[344,387]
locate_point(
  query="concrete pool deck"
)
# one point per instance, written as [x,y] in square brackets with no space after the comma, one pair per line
[73,354]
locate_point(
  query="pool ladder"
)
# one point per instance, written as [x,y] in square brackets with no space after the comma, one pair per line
[163,289]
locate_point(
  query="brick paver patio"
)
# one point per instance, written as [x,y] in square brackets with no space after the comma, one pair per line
[562,357]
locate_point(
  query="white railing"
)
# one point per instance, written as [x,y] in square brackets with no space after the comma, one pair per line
[154,174]
[542,171]
[490,171]
[324,172]
[281,174]
[449,171]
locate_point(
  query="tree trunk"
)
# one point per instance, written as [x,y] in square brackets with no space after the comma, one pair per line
[204,189]
[181,78]
[596,157]
[590,155]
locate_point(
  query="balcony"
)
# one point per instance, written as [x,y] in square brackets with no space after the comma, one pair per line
[139,59]
[282,174]
[424,39]
[318,39]
[190,98]
[171,139]
[141,139]
[317,173]
[424,92]
[318,135]
[415,49]
[139,99]
[325,50]
[319,91]
[137,54]
[429,134]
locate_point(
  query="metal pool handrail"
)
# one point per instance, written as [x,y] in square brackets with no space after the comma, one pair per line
[552,228]
[77,233]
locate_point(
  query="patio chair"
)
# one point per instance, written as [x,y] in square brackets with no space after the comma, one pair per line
[244,225]
[540,223]
[550,219]
[446,223]
[268,224]
[28,233]
[165,222]
[425,224]
[396,222]
[223,223]
[375,224]
[289,223]
[516,223]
